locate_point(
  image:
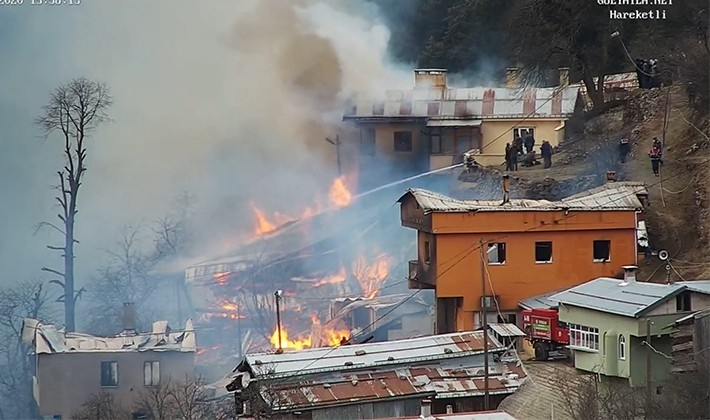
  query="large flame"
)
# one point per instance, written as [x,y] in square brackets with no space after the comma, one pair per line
[334,279]
[339,193]
[371,276]
[263,225]
[295,344]
[330,336]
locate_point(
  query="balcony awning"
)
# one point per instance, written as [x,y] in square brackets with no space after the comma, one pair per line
[453,123]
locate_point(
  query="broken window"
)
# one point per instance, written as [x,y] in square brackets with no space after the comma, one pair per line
[496,253]
[427,252]
[402,141]
[151,373]
[683,302]
[523,132]
[109,373]
[543,252]
[602,251]
[367,141]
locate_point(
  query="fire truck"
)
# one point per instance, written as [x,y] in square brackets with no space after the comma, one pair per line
[548,336]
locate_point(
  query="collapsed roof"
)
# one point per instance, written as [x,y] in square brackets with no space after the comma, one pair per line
[47,339]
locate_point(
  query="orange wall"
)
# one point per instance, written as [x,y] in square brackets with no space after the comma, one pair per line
[457,259]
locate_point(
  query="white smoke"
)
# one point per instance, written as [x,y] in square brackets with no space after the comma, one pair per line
[231,100]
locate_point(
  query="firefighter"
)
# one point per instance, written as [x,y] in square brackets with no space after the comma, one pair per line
[655,155]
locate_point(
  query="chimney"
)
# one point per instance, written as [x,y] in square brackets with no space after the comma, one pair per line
[426,409]
[449,409]
[129,319]
[610,176]
[511,78]
[630,273]
[564,76]
[430,79]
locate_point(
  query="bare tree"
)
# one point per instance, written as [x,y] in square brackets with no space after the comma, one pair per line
[75,110]
[186,400]
[27,300]
[125,278]
[102,406]
[588,398]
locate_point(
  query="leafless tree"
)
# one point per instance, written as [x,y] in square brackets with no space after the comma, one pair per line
[587,398]
[185,400]
[684,396]
[125,278]
[75,110]
[26,300]
[102,406]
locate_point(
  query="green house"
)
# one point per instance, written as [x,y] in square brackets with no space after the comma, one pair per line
[609,320]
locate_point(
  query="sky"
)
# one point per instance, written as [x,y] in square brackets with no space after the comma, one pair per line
[228,100]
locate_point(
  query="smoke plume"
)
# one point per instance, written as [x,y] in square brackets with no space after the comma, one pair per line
[230,100]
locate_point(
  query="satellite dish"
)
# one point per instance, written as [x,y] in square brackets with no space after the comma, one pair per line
[663,255]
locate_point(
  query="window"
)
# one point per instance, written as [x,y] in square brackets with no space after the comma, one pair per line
[583,338]
[682,302]
[522,132]
[602,251]
[378,108]
[489,302]
[109,373]
[367,141]
[512,319]
[402,141]
[496,253]
[151,373]
[622,347]
[432,109]
[543,252]
[442,145]
[427,252]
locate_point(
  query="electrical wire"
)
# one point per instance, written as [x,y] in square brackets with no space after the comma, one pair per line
[469,251]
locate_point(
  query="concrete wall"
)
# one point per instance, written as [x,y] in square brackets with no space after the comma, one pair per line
[698,302]
[496,133]
[67,380]
[606,360]
[457,260]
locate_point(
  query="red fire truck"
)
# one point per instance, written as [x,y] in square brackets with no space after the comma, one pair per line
[547,334]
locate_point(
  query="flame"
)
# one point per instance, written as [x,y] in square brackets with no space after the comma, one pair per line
[330,336]
[295,344]
[263,225]
[334,279]
[339,193]
[221,278]
[370,277]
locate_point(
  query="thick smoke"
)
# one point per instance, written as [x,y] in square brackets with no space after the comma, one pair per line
[231,100]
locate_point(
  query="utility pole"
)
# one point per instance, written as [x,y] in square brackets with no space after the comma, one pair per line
[649,387]
[277,295]
[337,144]
[484,324]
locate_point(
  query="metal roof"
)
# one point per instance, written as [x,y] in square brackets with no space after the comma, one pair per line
[469,103]
[613,196]
[481,415]
[540,302]
[625,298]
[48,339]
[457,378]
[362,356]
[507,330]
[617,296]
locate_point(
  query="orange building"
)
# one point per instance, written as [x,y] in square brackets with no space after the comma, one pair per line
[529,247]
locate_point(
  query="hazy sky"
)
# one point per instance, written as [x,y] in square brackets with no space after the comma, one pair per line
[230,100]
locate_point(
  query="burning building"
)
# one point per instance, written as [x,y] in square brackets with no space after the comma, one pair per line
[377,380]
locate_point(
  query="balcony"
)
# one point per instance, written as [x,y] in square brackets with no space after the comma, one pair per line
[418,278]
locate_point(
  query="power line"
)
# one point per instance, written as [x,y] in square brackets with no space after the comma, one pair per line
[468,252]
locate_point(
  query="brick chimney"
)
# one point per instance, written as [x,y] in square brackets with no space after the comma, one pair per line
[610,176]
[563,73]
[129,319]
[430,79]
[426,410]
[630,273]
[511,78]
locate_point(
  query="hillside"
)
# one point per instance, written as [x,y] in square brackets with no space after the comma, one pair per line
[678,214]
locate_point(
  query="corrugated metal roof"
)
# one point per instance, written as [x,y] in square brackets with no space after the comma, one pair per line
[458,378]
[469,103]
[540,302]
[617,296]
[614,196]
[362,356]
[48,339]
[481,415]
[507,330]
[625,298]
